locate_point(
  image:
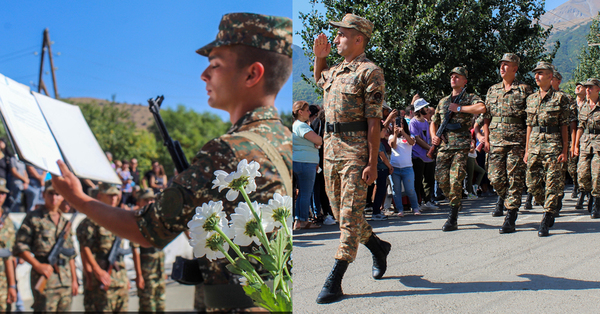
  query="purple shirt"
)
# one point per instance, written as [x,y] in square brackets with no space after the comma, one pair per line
[420,129]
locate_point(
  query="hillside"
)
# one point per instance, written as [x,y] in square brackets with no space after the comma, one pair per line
[139,114]
[571,13]
[301,89]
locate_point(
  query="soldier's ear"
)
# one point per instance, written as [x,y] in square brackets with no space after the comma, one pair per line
[254,74]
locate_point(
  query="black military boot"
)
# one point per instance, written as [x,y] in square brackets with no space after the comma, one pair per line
[580,200]
[575,191]
[547,222]
[528,201]
[332,289]
[560,203]
[595,213]
[452,222]
[590,202]
[499,210]
[380,250]
[509,225]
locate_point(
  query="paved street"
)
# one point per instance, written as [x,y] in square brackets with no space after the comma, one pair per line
[472,270]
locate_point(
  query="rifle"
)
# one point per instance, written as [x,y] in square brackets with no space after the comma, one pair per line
[442,129]
[184,271]
[115,252]
[57,249]
[173,147]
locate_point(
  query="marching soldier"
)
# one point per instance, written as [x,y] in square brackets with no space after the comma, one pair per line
[580,100]
[451,162]
[149,266]
[587,147]
[8,287]
[106,286]
[35,239]
[504,130]
[353,97]
[547,144]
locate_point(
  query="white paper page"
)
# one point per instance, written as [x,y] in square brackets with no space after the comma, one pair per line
[28,127]
[82,152]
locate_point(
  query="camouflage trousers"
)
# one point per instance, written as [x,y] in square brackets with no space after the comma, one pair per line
[52,300]
[546,180]
[572,168]
[114,300]
[347,194]
[3,289]
[153,297]
[450,172]
[588,173]
[506,171]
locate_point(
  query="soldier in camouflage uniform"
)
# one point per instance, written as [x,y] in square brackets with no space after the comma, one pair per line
[353,97]
[250,61]
[504,130]
[104,291]
[580,100]
[8,288]
[37,235]
[451,161]
[587,147]
[149,264]
[547,144]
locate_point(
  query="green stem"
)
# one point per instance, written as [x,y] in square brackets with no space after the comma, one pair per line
[236,248]
[263,235]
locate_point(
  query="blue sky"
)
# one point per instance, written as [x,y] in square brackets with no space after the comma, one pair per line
[132,49]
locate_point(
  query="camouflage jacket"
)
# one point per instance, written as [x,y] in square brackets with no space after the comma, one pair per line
[7,240]
[100,241]
[457,139]
[551,111]
[37,234]
[353,91]
[589,119]
[152,264]
[164,220]
[511,104]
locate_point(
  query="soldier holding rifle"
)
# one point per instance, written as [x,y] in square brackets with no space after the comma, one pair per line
[250,61]
[455,112]
[53,284]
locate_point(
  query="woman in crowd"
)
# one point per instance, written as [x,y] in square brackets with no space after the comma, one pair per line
[402,143]
[306,145]
[384,168]
[157,178]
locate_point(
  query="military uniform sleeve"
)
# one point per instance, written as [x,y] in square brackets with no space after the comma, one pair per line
[565,112]
[324,76]
[165,219]
[582,117]
[69,244]
[24,237]
[529,110]
[374,94]
[475,99]
[437,119]
[85,234]
[487,114]
[7,238]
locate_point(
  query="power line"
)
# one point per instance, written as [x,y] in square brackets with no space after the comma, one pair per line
[19,51]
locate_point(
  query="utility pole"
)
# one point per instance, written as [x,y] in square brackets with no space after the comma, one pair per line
[46,45]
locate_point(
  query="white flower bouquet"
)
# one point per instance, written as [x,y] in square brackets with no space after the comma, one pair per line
[212,235]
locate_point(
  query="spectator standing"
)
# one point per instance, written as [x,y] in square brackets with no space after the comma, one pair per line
[319,193]
[423,166]
[36,181]
[19,185]
[157,179]
[384,169]
[133,169]
[306,161]
[402,142]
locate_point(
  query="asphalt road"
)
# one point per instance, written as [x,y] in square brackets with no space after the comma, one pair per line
[472,270]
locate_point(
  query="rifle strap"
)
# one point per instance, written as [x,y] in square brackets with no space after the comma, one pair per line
[273,155]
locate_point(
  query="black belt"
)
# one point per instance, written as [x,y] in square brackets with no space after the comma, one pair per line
[148,250]
[455,127]
[509,120]
[546,129]
[44,260]
[592,131]
[338,127]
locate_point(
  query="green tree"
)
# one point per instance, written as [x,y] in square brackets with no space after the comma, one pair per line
[589,57]
[287,119]
[191,129]
[417,43]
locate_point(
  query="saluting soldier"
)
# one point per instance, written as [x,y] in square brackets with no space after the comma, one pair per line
[504,131]
[451,162]
[8,287]
[250,61]
[587,146]
[104,291]
[149,266]
[547,144]
[353,97]
[36,237]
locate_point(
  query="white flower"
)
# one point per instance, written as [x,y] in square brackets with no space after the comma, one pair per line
[242,178]
[277,211]
[206,244]
[203,237]
[244,225]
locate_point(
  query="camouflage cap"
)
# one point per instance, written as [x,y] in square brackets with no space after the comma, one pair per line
[48,186]
[107,188]
[557,75]
[461,71]
[354,21]
[592,82]
[3,188]
[272,33]
[543,65]
[580,83]
[145,194]
[511,57]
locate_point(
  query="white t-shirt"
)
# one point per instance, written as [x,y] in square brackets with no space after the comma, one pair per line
[402,154]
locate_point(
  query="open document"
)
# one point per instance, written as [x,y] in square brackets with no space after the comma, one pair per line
[44,130]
